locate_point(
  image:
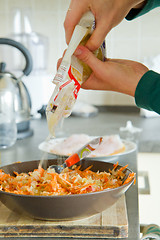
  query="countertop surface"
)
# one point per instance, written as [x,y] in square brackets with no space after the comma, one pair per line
[103,124]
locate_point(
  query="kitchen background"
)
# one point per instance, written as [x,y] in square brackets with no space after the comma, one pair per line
[136,40]
[42,20]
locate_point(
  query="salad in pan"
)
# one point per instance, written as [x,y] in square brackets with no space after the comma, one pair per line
[69,181]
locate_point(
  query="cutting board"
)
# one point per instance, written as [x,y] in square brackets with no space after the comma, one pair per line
[111,223]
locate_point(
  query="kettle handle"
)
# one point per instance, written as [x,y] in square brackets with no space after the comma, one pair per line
[26,53]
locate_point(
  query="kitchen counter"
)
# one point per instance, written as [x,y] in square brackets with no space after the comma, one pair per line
[103,123]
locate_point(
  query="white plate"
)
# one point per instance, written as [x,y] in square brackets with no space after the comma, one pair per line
[47,146]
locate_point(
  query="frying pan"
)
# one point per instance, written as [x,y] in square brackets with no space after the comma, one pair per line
[65,207]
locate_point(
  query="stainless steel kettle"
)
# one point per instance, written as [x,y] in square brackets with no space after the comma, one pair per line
[22,100]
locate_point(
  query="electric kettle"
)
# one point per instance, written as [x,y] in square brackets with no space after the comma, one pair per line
[22,100]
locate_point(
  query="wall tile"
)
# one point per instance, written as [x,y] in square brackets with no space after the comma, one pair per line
[22,4]
[150,26]
[150,48]
[3,6]
[125,49]
[50,5]
[51,24]
[127,30]
[4,25]
[101,98]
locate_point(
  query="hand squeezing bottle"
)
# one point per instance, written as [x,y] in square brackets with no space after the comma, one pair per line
[70,75]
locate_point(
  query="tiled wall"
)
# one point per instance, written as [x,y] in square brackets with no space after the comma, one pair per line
[136,40]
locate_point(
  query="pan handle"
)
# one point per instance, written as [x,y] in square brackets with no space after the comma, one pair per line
[26,53]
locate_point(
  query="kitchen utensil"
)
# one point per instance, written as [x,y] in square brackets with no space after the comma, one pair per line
[65,207]
[22,101]
[79,155]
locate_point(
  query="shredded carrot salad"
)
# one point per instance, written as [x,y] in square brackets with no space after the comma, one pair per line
[69,181]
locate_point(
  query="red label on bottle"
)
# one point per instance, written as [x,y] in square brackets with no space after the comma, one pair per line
[76,83]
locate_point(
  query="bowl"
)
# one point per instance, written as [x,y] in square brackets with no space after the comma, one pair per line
[64,207]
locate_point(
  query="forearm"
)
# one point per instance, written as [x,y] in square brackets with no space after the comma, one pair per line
[147,94]
[142,8]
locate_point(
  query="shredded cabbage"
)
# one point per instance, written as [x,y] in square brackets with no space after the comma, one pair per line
[69,181]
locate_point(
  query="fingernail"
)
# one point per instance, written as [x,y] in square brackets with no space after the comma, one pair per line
[78,52]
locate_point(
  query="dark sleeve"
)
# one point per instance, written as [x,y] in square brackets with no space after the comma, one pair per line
[150,4]
[147,94]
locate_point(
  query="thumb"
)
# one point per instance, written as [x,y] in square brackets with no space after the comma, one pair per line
[87,57]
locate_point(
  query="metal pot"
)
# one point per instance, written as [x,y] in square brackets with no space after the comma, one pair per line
[22,100]
[65,207]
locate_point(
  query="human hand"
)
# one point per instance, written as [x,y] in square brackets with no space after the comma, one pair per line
[108,14]
[114,74]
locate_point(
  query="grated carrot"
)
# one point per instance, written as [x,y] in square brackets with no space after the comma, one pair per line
[69,181]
